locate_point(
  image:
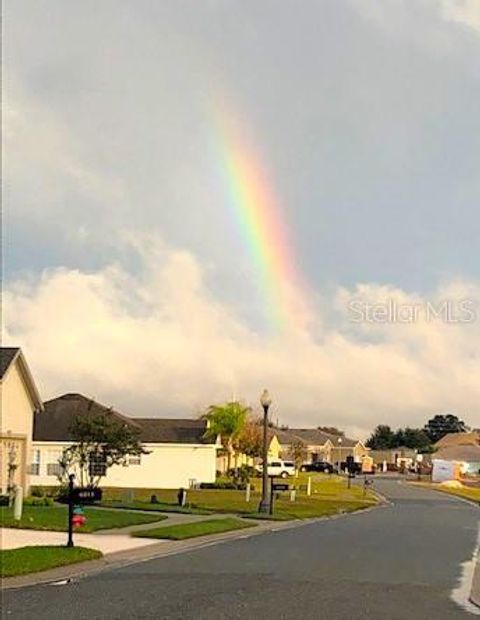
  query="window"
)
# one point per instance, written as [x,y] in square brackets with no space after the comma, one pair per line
[34,468]
[54,469]
[97,465]
[53,466]
[134,460]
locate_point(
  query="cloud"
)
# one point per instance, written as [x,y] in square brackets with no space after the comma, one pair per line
[159,342]
[466,12]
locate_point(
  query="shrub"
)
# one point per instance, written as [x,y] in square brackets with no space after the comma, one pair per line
[40,491]
[38,501]
[226,485]
[4,500]
[218,485]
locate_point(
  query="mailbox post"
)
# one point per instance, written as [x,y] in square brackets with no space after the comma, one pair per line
[276,486]
[70,510]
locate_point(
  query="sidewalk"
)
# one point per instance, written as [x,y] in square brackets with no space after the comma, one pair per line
[12,538]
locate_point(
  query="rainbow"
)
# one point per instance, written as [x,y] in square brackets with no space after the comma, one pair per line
[258,217]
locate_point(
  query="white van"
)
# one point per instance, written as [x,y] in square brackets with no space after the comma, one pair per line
[281,468]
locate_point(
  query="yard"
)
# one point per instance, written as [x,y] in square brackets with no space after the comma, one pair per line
[330,495]
[466,492]
[192,530]
[56,517]
[25,560]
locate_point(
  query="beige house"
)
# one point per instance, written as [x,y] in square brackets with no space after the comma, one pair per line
[320,446]
[178,454]
[19,402]
[397,457]
[238,458]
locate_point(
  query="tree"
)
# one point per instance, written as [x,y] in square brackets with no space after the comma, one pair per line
[298,452]
[442,424]
[382,438]
[100,441]
[413,438]
[250,440]
[228,421]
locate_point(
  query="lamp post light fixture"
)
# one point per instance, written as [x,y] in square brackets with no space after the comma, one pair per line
[339,440]
[265,401]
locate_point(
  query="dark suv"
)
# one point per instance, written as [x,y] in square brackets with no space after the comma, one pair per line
[320,466]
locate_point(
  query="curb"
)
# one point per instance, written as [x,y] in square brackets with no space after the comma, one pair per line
[475,592]
[120,559]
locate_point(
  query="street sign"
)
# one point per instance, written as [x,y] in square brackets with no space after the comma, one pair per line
[84,495]
[280,486]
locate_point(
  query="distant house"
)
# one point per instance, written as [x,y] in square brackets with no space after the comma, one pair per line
[396,457]
[178,453]
[466,456]
[239,458]
[19,402]
[320,446]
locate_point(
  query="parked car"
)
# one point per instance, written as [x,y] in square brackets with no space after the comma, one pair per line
[320,466]
[280,468]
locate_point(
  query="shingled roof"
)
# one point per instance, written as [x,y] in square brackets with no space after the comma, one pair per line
[461,453]
[54,423]
[7,356]
[459,439]
[311,437]
[172,430]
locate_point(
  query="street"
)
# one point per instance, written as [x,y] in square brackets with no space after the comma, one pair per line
[396,562]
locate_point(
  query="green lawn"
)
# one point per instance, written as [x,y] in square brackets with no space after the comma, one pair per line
[191,530]
[471,493]
[35,559]
[330,495]
[56,518]
[160,507]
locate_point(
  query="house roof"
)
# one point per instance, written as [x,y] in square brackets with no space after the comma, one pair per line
[8,357]
[54,423]
[459,439]
[466,453]
[173,430]
[312,437]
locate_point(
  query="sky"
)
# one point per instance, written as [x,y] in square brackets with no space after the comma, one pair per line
[196,194]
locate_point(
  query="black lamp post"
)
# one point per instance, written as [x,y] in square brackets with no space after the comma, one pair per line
[265,401]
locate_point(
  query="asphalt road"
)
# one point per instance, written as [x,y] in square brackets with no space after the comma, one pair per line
[398,562]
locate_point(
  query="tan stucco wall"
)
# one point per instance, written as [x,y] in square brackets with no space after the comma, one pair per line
[16,406]
[20,448]
[16,424]
[274,448]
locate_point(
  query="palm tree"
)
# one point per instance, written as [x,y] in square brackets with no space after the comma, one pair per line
[227,421]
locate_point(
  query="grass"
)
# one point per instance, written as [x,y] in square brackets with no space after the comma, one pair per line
[470,493]
[149,507]
[330,495]
[56,518]
[35,559]
[192,530]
